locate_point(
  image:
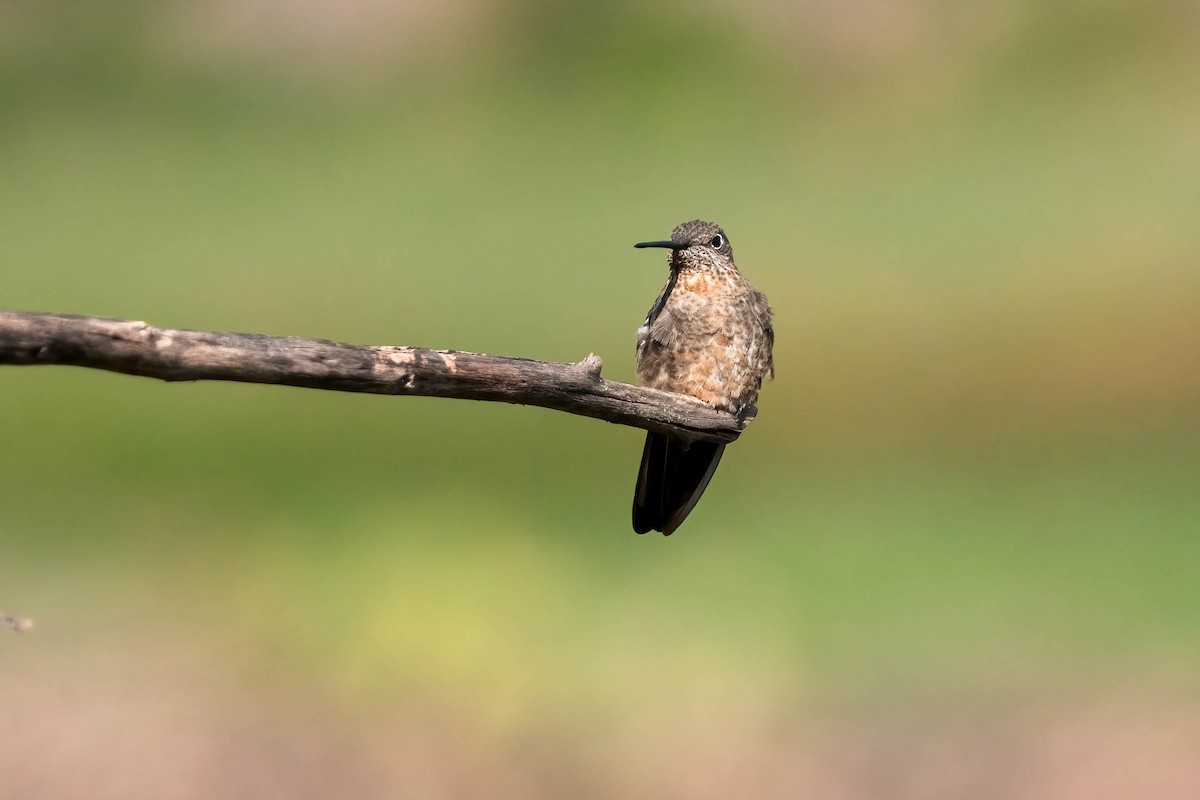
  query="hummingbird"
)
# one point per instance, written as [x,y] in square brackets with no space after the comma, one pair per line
[707,335]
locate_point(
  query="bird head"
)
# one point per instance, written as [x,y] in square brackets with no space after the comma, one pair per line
[697,245]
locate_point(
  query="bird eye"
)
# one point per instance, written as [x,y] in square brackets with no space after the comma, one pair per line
[717,241]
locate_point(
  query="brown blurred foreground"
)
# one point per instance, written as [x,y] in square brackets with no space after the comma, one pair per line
[103,730]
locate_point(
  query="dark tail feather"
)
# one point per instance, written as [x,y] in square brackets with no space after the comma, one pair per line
[648,494]
[690,472]
[671,479]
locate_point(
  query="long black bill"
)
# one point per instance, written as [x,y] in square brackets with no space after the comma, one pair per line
[664,243]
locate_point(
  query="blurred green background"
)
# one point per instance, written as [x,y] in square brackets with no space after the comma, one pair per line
[955,556]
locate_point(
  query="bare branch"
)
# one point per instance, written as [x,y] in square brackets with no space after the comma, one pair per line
[136,348]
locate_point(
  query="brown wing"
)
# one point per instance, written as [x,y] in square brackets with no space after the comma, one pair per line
[765,317]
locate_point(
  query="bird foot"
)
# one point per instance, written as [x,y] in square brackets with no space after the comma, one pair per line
[746,414]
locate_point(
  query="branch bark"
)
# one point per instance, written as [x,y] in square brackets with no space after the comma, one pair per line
[135,348]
